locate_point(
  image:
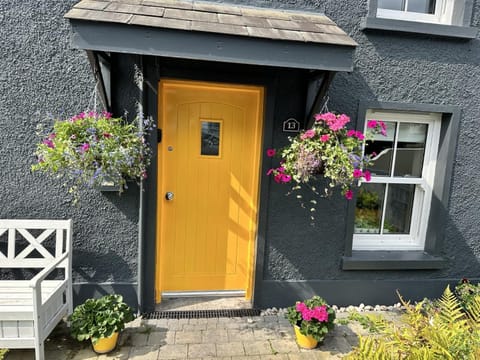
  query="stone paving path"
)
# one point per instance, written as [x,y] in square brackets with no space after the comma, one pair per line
[250,338]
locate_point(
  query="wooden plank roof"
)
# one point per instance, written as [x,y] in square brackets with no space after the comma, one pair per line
[220,18]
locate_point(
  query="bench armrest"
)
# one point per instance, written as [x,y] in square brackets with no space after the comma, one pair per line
[46,271]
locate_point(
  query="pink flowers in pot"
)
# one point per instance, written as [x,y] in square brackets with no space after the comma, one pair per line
[313,316]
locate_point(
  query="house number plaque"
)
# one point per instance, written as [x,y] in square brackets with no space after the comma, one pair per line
[291,125]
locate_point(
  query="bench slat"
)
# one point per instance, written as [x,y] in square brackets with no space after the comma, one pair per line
[34,224]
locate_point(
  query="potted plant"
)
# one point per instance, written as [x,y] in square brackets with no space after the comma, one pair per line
[91,148]
[312,319]
[330,150]
[100,320]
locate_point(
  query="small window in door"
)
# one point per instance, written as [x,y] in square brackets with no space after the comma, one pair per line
[210,138]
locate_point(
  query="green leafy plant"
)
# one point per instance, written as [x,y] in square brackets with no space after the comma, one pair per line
[314,317]
[92,148]
[330,150]
[466,292]
[441,331]
[3,353]
[372,322]
[100,318]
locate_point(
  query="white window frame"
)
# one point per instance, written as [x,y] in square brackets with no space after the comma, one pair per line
[444,10]
[415,240]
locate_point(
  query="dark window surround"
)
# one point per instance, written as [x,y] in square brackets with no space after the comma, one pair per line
[431,257]
[463,31]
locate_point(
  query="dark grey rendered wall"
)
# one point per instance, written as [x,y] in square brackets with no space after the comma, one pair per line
[41,75]
[302,258]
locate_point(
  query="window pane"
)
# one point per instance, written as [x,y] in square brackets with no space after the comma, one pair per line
[398,214]
[422,6]
[381,150]
[368,211]
[410,149]
[392,4]
[210,138]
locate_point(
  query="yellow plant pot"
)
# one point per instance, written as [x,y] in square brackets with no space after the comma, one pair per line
[105,345]
[305,341]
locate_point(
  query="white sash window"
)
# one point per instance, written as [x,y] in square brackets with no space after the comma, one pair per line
[392,209]
[429,11]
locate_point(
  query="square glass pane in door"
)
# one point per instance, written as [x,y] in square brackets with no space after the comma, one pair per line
[210,138]
[392,4]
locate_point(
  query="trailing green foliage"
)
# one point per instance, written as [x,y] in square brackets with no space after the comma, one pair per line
[100,318]
[444,329]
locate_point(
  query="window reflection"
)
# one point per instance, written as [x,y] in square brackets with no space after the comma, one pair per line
[381,150]
[410,149]
[398,214]
[369,208]
[418,6]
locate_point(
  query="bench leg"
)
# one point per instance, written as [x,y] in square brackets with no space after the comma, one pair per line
[39,351]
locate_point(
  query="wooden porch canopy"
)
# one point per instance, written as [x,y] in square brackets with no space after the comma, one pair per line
[209,31]
[213,32]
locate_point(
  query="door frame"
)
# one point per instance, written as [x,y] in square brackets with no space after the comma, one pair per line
[253,245]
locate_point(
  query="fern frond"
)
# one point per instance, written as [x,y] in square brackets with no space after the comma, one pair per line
[370,349]
[450,309]
[473,310]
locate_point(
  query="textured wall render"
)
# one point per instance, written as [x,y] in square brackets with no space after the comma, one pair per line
[41,75]
[388,67]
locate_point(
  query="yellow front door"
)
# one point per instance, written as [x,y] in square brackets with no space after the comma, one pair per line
[209,160]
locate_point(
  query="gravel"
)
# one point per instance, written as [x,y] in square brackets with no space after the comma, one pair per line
[340,309]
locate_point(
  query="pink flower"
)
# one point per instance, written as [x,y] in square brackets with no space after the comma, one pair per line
[106,114]
[307,314]
[271,152]
[49,143]
[324,138]
[349,195]
[327,117]
[367,175]
[357,173]
[270,171]
[371,124]
[278,178]
[92,114]
[84,147]
[308,134]
[351,133]
[343,119]
[52,136]
[286,178]
[359,135]
[318,117]
[300,307]
[320,313]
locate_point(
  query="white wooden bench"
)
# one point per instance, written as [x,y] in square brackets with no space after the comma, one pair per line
[30,309]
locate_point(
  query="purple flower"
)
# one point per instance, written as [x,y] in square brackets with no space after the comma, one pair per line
[49,143]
